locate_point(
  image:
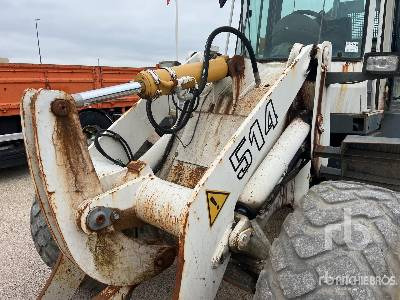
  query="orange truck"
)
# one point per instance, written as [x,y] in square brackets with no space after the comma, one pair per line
[15,78]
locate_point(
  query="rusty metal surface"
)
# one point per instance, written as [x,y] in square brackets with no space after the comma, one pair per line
[320,134]
[186,174]
[68,178]
[198,274]
[248,102]
[136,166]
[162,204]
[236,68]
[112,258]
[71,152]
[28,129]
[115,293]
[60,107]
[349,66]
[23,272]
[219,98]
[348,98]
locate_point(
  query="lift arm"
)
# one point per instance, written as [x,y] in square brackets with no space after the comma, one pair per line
[87,217]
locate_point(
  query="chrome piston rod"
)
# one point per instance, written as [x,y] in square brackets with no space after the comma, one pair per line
[107,94]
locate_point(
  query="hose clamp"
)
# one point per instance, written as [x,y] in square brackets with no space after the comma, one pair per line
[171,73]
[155,76]
[157,81]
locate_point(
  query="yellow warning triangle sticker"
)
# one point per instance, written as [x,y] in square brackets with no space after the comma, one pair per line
[215,202]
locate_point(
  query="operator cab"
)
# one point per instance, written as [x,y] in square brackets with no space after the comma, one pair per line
[354,28]
[274,26]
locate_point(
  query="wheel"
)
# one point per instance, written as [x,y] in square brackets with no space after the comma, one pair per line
[92,121]
[49,251]
[41,236]
[341,242]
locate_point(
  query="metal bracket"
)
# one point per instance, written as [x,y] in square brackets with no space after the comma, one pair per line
[350,77]
[100,218]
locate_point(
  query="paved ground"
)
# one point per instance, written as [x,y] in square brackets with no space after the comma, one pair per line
[22,273]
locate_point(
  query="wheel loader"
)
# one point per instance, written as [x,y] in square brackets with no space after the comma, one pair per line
[302,116]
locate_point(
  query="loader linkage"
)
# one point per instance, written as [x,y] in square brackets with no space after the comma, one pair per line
[89,202]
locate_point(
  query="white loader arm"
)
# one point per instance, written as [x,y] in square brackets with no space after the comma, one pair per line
[88,203]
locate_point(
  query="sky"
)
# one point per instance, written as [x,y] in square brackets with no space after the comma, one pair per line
[129,33]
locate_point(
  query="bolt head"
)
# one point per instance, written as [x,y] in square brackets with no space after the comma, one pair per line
[115,215]
[243,239]
[100,219]
[60,107]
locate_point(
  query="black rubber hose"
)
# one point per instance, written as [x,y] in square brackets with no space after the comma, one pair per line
[115,136]
[191,105]
[165,155]
[181,122]
[207,51]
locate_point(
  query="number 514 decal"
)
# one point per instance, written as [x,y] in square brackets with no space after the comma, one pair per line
[241,158]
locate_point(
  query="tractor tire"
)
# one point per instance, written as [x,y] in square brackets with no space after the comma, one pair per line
[341,242]
[41,236]
[49,251]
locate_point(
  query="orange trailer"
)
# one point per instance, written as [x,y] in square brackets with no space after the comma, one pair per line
[15,78]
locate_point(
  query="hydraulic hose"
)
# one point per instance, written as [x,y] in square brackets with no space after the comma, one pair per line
[191,105]
[207,51]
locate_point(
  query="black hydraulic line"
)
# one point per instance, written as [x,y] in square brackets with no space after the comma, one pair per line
[191,105]
[165,155]
[180,123]
[115,136]
[207,52]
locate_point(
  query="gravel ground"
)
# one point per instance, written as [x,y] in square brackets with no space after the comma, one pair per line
[22,271]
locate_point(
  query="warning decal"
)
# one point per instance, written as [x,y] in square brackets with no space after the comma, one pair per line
[215,202]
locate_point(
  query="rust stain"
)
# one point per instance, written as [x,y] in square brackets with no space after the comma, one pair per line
[157,212]
[218,106]
[71,152]
[181,260]
[236,71]
[345,67]
[186,174]
[319,119]
[52,275]
[81,182]
[64,271]
[349,67]
[60,107]
[230,105]
[247,103]
[341,96]
[136,166]
[110,292]
[224,103]
[105,256]
[63,243]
